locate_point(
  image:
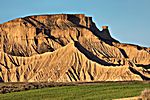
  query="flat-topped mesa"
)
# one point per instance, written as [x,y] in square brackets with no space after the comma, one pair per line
[58,16]
[78,19]
[33,34]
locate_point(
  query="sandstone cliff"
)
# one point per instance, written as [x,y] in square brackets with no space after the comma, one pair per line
[64,48]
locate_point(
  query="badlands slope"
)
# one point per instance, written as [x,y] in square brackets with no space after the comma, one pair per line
[65,48]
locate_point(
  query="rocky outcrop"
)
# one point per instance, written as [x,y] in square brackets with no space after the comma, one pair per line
[67,47]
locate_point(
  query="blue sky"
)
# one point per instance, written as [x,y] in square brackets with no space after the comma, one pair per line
[128,20]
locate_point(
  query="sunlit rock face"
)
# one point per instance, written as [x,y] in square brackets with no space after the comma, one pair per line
[65,48]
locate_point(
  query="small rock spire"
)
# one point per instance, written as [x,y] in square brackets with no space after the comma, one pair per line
[104,27]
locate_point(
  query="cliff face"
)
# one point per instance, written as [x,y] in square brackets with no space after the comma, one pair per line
[67,47]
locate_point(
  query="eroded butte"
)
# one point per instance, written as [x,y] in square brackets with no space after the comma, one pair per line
[66,48]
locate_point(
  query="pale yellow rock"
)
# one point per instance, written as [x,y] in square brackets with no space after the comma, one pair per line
[65,48]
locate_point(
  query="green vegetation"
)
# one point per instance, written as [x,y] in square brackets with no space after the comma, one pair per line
[96,91]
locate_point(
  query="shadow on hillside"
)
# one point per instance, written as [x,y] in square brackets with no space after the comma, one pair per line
[138,73]
[91,56]
[1,80]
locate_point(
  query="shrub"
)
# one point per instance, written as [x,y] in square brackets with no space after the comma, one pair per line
[145,94]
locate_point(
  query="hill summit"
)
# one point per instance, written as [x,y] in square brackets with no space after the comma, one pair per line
[66,48]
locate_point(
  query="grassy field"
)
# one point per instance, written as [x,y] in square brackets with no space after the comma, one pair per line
[91,91]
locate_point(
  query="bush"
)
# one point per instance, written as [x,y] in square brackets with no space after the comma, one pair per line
[145,94]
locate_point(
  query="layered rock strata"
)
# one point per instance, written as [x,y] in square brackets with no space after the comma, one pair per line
[65,48]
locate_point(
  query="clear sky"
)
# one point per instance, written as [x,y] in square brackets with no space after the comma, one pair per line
[128,20]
